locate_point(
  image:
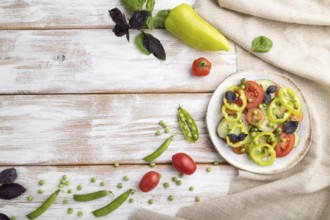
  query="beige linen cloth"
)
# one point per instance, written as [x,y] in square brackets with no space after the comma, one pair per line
[300,31]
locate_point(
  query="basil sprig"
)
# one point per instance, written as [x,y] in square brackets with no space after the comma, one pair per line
[261,44]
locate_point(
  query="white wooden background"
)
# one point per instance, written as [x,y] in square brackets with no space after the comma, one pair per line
[74,99]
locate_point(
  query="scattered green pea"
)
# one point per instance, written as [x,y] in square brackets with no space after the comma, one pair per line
[181,175]
[63,182]
[191,188]
[116,164]
[102,183]
[40,191]
[282,140]
[166,184]
[215,163]
[150,201]
[209,169]
[170,198]
[93,180]
[131,200]
[162,123]
[197,199]
[65,201]
[30,198]
[64,177]
[158,133]
[41,182]
[253,134]
[79,187]
[167,130]
[12,218]
[119,185]
[80,214]
[278,130]
[174,179]
[255,112]
[178,182]
[69,191]
[152,164]
[60,185]
[70,210]
[261,106]
[249,100]
[67,183]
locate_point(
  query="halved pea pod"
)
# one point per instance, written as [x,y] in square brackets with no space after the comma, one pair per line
[187,125]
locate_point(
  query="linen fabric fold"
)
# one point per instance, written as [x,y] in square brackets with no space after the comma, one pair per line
[301,50]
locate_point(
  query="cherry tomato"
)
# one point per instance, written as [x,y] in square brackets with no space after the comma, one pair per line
[253,92]
[285,144]
[183,163]
[201,67]
[149,181]
[255,116]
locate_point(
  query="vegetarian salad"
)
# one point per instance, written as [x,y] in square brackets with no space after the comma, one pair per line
[261,119]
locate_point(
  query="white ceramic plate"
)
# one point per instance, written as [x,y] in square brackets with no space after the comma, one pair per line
[214,116]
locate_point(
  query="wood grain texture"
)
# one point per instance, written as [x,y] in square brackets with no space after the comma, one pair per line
[97,129]
[96,61]
[62,14]
[207,185]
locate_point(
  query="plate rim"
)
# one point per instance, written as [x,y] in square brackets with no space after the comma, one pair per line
[300,156]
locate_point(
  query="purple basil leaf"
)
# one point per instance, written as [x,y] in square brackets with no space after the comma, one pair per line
[241,136]
[233,137]
[138,19]
[120,31]
[154,46]
[230,96]
[121,28]
[290,127]
[11,191]
[267,98]
[8,176]
[4,217]
[271,89]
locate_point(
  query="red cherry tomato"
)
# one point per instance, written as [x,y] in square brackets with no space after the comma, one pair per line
[254,92]
[183,163]
[201,67]
[149,181]
[285,144]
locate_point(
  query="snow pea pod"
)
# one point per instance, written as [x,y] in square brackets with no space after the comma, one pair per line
[39,211]
[90,196]
[188,125]
[113,205]
[159,151]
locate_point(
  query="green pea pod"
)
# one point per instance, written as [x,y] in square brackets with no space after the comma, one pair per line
[159,151]
[91,196]
[113,205]
[39,211]
[188,125]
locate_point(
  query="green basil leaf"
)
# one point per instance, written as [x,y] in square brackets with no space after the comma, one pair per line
[158,20]
[150,23]
[261,44]
[150,5]
[133,5]
[140,45]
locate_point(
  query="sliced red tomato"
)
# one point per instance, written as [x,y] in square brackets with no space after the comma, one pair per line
[285,144]
[254,94]
[255,116]
[240,150]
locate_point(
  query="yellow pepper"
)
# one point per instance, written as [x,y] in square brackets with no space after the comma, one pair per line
[184,23]
[264,160]
[242,129]
[271,114]
[234,106]
[290,100]
[229,118]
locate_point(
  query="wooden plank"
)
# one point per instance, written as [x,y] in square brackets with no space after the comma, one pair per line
[62,14]
[96,61]
[206,186]
[97,129]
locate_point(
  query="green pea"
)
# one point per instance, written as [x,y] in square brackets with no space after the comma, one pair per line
[65,201]
[67,183]
[70,210]
[170,198]
[278,130]
[113,205]
[102,183]
[80,214]
[174,179]
[197,199]
[255,112]
[30,198]
[91,196]
[261,106]
[93,180]
[167,130]
[40,191]
[119,185]
[158,133]
[39,211]
[150,201]
[126,178]
[69,191]
[41,182]
[12,218]
[215,163]
[178,183]
[60,185]
[209,169]
[64,177]
[152,164]
[166,184]
[162,123]
[159,151]
[63,182]
[191,188]
[79,187]
[181,175]
[131,200]
[249,100]
[116,164]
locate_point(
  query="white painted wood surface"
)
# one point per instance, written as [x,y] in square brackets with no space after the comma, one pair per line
[63,14]
[207,185]
[96,61]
